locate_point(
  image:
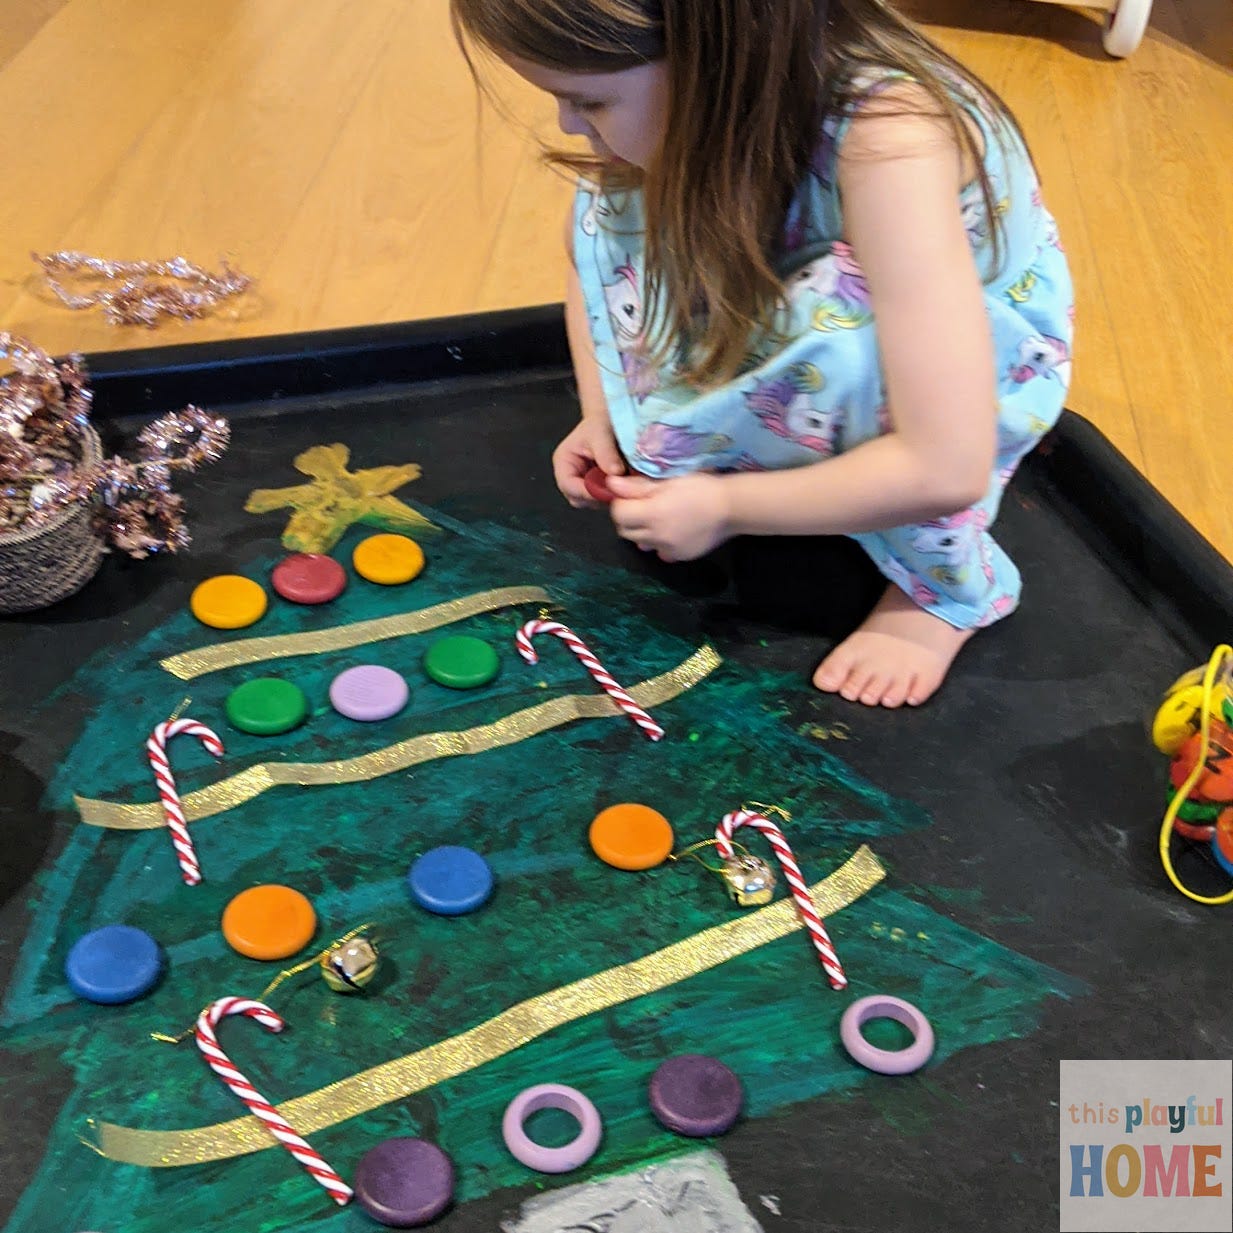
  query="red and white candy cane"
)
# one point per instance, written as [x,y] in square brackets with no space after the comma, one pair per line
[277,1125]
[523,641]
[156,750]
[792,873]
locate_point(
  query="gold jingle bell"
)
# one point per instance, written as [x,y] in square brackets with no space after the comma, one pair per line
[347,968]
[751,881]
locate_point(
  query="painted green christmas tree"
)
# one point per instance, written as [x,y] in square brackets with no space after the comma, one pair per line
[558,914]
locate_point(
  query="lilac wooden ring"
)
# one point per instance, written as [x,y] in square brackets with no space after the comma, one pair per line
[886,1061]
[551,1159]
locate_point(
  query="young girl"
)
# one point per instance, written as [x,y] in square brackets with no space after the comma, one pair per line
[814,291]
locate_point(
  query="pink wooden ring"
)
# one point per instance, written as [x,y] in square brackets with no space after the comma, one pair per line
[551,1159]
[886,1061]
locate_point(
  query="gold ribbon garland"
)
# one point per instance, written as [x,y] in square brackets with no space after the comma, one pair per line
[245,785]
[503,1033]
[234,654]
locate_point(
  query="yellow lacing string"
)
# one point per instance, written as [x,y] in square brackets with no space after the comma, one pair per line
[1214,665]
[286,974]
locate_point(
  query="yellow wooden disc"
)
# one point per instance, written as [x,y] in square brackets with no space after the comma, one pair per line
[388,559]
[228,602]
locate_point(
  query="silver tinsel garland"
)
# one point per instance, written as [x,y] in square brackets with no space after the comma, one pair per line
[44,409]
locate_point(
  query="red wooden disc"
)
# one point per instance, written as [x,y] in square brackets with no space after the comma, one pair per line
[308,578]
[596,482]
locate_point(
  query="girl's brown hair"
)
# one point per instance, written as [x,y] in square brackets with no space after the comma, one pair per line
[749,85]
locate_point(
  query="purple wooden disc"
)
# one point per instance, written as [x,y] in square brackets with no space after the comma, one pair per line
[695,1095]
[368,693]
[404,1183]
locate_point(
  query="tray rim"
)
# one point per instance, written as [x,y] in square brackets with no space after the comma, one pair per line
[1127,520]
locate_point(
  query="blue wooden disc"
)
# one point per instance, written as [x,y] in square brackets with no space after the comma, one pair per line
[450,881]
[114,964]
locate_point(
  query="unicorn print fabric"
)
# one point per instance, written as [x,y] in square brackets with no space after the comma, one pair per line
[821,391]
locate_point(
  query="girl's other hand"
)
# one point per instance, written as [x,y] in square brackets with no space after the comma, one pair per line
[679,519]
[591,443]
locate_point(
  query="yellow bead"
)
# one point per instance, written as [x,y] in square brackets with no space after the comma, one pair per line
[1180,713]
[388,559]
[1177,720]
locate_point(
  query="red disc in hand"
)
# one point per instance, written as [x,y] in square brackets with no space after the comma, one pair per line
[596,482]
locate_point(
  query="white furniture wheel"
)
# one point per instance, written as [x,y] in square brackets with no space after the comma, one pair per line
[1125,26]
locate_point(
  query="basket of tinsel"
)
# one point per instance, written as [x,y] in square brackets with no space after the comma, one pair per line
[63,505]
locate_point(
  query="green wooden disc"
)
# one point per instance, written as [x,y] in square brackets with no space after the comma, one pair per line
[461,662]
[266,706]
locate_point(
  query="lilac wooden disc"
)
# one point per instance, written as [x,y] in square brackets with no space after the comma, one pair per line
[552,1159]
[887,1061]
[368,692]
[695,1095]
[404,1183]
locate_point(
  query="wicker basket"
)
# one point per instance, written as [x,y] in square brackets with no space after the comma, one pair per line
[50,563]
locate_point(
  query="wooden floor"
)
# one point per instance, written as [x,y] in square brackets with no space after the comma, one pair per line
[335,151]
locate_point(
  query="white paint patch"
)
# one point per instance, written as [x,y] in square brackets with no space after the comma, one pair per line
[691,1194]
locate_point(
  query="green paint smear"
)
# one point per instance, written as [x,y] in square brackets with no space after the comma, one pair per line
[558,914]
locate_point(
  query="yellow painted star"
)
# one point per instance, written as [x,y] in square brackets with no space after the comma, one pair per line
[337,498]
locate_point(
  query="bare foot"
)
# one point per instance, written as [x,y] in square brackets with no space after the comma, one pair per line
[900,654]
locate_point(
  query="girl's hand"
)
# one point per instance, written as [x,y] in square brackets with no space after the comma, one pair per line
[679,519]
[589,444]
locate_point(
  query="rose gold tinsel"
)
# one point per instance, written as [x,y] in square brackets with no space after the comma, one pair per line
[142,296]
[44,408]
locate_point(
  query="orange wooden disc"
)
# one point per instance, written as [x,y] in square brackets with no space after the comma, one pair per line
[1223,837]
[269,922]
[631,836]
[1215,782]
